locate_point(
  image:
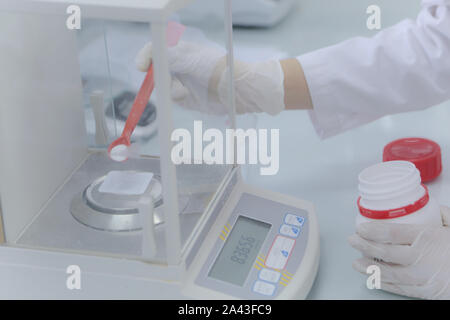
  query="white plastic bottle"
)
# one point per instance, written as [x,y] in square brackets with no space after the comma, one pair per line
[392,191]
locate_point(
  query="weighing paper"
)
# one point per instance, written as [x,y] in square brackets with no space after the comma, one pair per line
[126,182]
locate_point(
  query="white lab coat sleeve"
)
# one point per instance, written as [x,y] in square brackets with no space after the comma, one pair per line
[403,68]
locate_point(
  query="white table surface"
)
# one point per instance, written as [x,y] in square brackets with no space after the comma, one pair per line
[325,172]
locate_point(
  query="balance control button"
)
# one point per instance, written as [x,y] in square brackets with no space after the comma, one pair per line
[294,220]
[269,275]
[264,288]
[290,231]
[280,252]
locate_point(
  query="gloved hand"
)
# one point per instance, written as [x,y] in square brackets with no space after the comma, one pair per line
[415,259]
[199,80]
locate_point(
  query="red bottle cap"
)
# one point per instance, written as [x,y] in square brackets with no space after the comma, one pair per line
[424,153]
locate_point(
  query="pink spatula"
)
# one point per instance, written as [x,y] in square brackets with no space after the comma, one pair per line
[118,149]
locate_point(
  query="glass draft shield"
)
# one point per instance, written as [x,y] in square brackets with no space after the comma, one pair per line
[68,96]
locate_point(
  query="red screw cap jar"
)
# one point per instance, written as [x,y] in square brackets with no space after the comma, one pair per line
[424,153]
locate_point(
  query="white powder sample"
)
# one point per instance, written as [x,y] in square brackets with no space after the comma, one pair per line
[119,153]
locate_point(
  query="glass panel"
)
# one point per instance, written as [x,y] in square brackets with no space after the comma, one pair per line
[107,60]
[204,111]
[82,95]
[59,189]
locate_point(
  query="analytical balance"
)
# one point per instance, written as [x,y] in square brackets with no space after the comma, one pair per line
[145,227]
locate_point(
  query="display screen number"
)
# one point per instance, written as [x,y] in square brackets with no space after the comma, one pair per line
[240,250]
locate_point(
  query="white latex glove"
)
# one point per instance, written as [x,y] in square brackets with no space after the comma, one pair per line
[200,80]
[415,259]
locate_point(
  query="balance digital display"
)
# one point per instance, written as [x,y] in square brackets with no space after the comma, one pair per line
[240,250]
[262,247]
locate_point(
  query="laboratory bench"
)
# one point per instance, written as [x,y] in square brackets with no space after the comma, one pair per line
[326,171]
